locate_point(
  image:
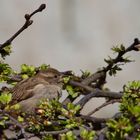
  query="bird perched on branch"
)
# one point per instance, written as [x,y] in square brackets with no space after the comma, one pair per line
[45,84]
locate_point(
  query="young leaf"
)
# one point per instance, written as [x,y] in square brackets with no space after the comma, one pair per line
[5,98]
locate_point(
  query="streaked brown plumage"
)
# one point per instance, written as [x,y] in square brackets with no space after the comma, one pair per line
[45,84]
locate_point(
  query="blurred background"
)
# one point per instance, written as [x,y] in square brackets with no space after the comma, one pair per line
[73,35]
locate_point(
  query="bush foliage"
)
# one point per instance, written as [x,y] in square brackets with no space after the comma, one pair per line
[53,119]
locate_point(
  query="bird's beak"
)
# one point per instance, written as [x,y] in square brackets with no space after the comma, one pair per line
[67,73]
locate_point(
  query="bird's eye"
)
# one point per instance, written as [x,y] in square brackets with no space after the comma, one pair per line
[55,76]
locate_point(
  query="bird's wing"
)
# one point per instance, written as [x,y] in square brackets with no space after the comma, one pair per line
[20,91]
[52,91]
[28,105]
[46,91]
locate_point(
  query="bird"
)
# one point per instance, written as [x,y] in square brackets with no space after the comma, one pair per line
[45,84]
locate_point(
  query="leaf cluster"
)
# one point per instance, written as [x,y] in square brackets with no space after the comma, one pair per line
[53,119]
[114,64]
[6,51]
[128,124]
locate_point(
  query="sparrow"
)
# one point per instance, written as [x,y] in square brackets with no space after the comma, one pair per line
[45,84]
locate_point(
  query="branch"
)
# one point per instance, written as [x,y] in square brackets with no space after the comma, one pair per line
[27,23]
[99,93]
[93,93]
[101,74]
[132,47]
[103,105]
[97,123]
[93,78]
[78,84]
[94,119]
[54,132]
[15,122]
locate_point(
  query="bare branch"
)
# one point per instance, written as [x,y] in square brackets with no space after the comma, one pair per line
[99,93]
[103,105]
[93,78]
[27,23]
[78,84]
[94,119]
[54,132]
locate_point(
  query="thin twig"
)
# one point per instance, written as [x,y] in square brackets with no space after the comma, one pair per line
[54,132]
[103,105]
[27,23]
[94,119]
[132,47]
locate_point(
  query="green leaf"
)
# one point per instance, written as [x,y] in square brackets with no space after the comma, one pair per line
[87,135]
[24,76]
[6,51]
[109,60]
[44,67]
[20,119]
[15,107]
[66,79]
[24,68]
[48,137]
[70,136]
[71,91]
[84,133]
[70,106]
[29,70]
[77,108]
[122,47]
[5,98]
[62,136]
[118,48]
[85,74]
[2,123]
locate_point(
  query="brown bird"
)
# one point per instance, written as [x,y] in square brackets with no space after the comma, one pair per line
[45,84]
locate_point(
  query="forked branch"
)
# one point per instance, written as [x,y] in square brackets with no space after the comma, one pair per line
[27,23]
